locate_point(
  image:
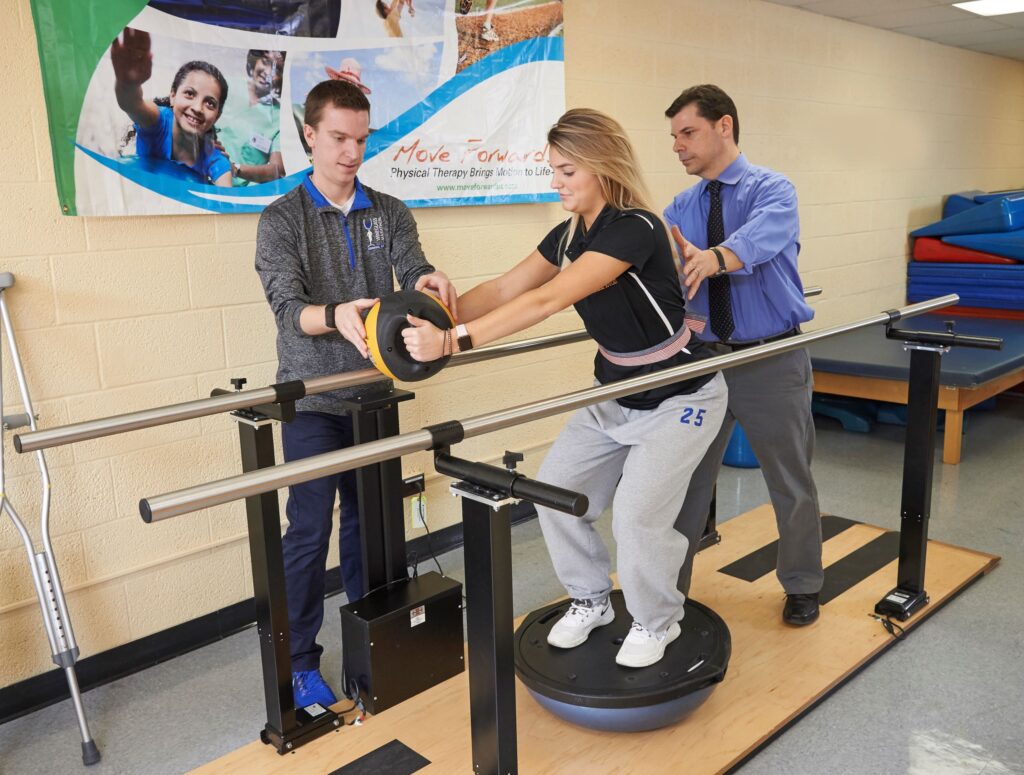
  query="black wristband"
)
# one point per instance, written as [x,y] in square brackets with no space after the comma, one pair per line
[329,316]
[721,261]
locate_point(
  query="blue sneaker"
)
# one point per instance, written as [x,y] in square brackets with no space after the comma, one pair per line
[309,687]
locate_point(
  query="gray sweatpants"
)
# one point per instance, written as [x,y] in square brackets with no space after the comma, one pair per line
[771,398]
[655,451]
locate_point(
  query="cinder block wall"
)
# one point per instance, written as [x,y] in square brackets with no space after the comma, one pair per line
[117,314]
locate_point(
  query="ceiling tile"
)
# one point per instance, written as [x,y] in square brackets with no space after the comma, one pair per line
[1013,50]
[845,9]
[935,20]
[1010,19]
[959,27]
[914,16]
[1002,35]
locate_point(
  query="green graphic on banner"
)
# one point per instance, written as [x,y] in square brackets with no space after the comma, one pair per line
[72,36]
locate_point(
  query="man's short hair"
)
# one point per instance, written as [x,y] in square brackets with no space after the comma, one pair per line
[712,104]
[340,94]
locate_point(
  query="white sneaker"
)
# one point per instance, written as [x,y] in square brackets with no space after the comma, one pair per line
[642,647]
[489,35]
[582,617]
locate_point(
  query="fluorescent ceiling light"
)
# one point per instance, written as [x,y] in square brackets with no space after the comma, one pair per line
[992,7]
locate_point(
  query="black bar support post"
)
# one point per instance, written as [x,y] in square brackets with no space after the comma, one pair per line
[487,536]
[918,469]
[379,488]
[287,727]
[488,493]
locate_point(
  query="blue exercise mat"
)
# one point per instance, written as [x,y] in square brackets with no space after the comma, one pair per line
[1009,244]
[981,197]
[867,353]
[992,286]
[962,200]
[999,215]
[994,273]
[969,297]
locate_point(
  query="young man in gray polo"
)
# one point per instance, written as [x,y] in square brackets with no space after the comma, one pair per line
[325,252]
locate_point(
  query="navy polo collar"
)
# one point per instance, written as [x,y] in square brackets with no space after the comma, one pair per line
[361,201]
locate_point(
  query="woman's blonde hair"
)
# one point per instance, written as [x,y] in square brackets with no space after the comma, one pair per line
[598,144]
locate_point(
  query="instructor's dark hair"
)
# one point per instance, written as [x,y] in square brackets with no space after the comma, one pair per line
[340,94]
[712,104]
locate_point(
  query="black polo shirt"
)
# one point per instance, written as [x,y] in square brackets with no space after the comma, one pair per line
[643,307]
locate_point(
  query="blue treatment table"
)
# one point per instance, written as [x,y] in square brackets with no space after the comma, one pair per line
[864,364]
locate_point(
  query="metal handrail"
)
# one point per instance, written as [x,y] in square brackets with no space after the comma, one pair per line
[246,399]
[265,480]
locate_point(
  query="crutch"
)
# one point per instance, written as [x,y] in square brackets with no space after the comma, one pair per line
[44,569]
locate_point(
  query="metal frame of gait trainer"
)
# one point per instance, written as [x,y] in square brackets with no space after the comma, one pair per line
[287,727]
[488,494]
[374,416]
[926,350]
[443,435]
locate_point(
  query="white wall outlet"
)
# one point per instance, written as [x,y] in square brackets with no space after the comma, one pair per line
[418,512]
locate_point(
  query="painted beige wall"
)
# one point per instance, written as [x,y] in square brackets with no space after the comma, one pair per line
[116,314]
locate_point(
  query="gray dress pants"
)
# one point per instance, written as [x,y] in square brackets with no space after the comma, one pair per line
[771,399]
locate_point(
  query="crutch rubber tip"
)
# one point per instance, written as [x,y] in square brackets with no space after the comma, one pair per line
[90,753]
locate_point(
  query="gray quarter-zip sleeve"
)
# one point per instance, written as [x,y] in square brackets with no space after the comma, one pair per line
[280,269]
[406,252]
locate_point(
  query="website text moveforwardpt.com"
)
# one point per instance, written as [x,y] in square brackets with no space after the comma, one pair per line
[477,187]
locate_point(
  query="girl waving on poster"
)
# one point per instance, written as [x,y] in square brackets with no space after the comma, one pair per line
[178,127]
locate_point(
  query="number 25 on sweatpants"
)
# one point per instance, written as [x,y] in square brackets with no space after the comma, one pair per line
[692,416]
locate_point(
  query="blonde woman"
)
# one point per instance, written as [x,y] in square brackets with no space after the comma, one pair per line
[611,259]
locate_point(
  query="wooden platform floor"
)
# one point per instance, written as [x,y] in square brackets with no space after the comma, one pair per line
[776,672]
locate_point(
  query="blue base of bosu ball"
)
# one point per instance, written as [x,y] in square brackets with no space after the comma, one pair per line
[585,686]
[738,453]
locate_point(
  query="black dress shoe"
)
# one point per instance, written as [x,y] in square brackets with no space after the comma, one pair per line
[800,609]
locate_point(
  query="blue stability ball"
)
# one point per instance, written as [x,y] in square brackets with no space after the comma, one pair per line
[585,686]
[738,453]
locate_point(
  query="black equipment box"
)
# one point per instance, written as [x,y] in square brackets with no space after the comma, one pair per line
[402,639]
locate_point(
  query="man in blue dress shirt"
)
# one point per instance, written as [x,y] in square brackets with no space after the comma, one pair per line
[738,232]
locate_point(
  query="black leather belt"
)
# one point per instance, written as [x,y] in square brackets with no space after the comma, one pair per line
[755,342]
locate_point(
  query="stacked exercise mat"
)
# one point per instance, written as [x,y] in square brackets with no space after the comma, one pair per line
[976,251]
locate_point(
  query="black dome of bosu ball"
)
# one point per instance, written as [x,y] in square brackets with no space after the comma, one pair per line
[384,325]
[585,686]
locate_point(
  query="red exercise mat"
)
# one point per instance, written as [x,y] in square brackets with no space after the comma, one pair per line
[983,312]
[934,249]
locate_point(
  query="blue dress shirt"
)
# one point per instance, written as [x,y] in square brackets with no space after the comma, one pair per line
[762,228]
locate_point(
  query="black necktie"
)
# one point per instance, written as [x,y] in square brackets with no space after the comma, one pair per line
[719,296]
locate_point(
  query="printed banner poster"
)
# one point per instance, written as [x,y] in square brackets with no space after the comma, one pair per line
[186,106]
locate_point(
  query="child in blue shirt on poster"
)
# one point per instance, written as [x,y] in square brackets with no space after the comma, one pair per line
[179,128]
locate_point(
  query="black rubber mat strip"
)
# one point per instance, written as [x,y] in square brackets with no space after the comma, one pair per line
[761,561]
[859,564]
[394,758]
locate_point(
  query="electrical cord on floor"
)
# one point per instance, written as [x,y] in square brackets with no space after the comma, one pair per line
[352,692]
[897,632]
